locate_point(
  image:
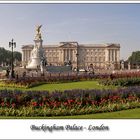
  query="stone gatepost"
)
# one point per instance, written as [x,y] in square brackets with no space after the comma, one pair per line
[129,66]
[122,65]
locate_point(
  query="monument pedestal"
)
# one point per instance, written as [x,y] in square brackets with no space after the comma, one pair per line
[34,64]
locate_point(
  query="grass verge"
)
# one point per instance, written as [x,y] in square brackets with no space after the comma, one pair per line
[124,114]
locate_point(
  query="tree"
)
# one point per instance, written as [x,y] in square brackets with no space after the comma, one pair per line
[17,56]
[135,57]
[5,56]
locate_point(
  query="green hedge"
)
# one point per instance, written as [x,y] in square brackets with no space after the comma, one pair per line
[121,82]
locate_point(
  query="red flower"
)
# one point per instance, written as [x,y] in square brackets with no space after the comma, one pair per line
[58,103]
[7,104]
[44,99]
[41,104]
[70,101]
[13,105]
[93,102]
[34,104]
[48,104]
[2,104]
[79,103]
[65,103]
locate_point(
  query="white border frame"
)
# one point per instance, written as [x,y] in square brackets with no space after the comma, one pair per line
[16,129]
[71,2]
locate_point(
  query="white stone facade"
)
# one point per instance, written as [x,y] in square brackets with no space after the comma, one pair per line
[102,56]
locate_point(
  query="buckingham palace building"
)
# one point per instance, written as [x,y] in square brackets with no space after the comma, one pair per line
[101,56]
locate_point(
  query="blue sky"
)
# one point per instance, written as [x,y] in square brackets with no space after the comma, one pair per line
[85,23]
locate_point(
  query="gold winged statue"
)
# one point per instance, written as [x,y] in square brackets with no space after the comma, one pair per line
[38,27]
[38,32]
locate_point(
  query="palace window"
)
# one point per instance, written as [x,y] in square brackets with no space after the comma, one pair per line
[95,58]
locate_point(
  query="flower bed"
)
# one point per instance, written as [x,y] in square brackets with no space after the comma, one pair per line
[129,74]
[68,102]
[121,82]
[27,82]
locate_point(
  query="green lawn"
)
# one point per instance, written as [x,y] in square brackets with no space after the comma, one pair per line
[71,85]
[67,86]
[125,114]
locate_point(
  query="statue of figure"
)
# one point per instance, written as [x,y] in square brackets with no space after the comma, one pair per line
[38,33]
[34,53]
[38,27]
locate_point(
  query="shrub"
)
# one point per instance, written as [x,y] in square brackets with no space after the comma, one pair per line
[121,82]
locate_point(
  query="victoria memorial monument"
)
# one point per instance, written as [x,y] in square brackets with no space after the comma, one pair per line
[37,55]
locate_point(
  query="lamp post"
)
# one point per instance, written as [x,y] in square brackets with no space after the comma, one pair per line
[12,44]
[77,62]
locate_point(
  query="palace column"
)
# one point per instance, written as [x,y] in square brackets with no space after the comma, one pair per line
[73,57]
[106,55]
[69,54]
[118,55]
[29,54]
[64,54]
[59,55]
[118,58]
[25,55]
[114,55]
[111,55]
